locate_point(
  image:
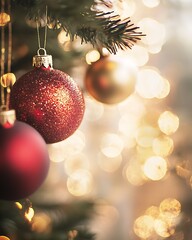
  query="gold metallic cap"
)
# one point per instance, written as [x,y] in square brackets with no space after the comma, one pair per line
[42,60]
[7,117]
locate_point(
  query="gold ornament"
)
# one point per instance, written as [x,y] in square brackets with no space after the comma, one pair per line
[110,80]
[4,19]
[8,80]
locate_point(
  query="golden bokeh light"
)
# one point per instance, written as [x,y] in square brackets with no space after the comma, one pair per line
[111,145]
[29,214]
[164,92]
[154,30]
[145,135]
[4,19]
[143,153]
[124,8]
[94,110]
[92,56]
[155,168]
[168,122]
[133,105]
[170,207]
[4,238]
[58,152]
[80,183]
[18,205]
[163,146]
[163,229]
[143,226]
[41,223]
[139,55]
[75,162]
[109,164]
[128,124]
[134,174]
[152,211]
[63,37]
[151,3]
[150,84]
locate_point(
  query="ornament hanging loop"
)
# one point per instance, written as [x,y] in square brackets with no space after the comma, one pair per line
[42,60]
[45,34]
[43,49]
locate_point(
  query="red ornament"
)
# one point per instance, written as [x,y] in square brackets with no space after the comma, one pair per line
[24,160]
[49,100]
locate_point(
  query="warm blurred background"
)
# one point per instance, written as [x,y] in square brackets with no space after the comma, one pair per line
[131,157]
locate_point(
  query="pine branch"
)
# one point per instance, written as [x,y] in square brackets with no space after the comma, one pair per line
[79,19]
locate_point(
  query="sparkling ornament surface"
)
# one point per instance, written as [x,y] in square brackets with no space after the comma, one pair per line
[50,101]
[24,161]
[110,80]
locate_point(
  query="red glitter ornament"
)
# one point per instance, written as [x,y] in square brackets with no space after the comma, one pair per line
[49,100]
[24,159]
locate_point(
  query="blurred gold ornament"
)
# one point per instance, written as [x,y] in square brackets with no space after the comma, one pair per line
[8,80]
[4,19]
[110,80]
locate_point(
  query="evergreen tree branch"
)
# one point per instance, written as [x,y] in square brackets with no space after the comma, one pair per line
[79,19]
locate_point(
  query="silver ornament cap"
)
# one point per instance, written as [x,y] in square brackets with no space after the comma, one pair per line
[42,60]
[7,117]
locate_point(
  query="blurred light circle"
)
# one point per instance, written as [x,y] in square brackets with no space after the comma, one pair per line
[58,152]
[80,182]
[133,173]
[165,89]
[4,238]
[143,226]
[155,168]
[145,135]
[63,37]
[168,122]
[163,229]
[154,31]
[152,211]
[125,8]
[149,84]
[128,124]
[151,3]
[92,56]
[41,223]
[163,146]
[109,164]
[170,207]
[94,110]
[75,162]
[139,55]
[111,145]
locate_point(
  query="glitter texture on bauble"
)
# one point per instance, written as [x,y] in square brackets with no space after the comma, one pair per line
[49,100]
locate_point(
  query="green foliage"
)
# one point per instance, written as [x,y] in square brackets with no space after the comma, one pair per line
[64,221]
[78,18]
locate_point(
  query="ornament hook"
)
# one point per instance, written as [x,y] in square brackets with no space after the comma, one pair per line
[43,49]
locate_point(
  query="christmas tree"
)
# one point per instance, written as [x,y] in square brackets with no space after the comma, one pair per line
[118,137]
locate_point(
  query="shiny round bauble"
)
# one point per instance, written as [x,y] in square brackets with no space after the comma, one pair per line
[110,80]
[24,161]
[50,101]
